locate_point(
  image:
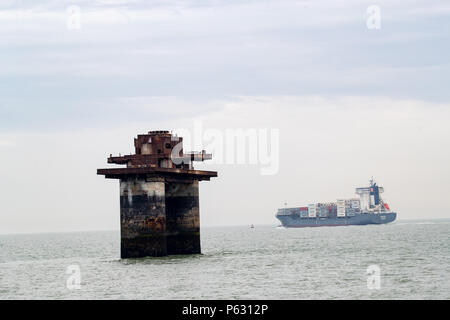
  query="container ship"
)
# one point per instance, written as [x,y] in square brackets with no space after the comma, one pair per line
[369,208]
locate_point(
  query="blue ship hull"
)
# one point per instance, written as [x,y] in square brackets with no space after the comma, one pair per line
[295,221]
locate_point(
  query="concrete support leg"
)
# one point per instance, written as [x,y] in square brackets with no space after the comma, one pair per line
[159,218]
[143,218]
[183,218]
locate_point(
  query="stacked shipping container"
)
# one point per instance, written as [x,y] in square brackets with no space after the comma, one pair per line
[312,210]
[340,208]
[340,204]
[304,212]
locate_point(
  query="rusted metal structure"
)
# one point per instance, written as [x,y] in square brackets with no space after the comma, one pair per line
[159,196]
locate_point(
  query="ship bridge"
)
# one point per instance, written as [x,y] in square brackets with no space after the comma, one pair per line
[370,196]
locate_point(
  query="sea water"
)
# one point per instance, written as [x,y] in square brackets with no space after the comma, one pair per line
[402,260]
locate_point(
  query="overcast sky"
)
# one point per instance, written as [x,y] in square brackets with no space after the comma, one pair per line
[349,102]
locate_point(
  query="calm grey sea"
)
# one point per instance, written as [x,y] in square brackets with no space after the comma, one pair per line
[238,263]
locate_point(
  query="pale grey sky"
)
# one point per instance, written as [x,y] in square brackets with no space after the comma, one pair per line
[349,102]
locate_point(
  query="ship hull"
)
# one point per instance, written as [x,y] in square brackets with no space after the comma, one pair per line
[290,221]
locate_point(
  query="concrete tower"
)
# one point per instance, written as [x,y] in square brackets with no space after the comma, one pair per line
[159,198]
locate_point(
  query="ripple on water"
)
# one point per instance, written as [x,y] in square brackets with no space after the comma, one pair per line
[237,263]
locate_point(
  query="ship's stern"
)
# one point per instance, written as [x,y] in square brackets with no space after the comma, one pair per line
[383,218]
